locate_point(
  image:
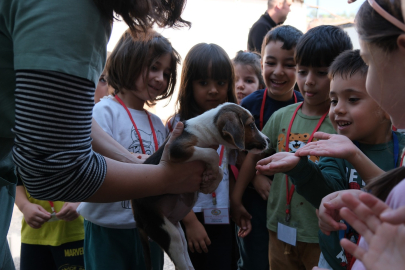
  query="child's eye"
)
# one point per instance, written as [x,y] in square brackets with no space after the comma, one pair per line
[302,72]
[221,83]
[322,73]
[203,83]
[167,75]
[353,100]
[153,68]
[270,63]
[291,65]
[102,79]
[333,101]
[249,81]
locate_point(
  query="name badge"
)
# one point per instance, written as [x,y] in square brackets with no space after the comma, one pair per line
[216,216]
[53,217]
[287,234]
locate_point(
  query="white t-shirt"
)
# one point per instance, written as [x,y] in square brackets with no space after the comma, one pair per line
[114,120]
[205,201]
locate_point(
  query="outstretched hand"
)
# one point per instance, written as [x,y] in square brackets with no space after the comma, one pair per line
[329,145]
[277,163]
[386,242]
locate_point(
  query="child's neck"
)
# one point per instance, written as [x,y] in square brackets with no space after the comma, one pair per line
[382,135]
[315,110]
[285,97]
[131,101]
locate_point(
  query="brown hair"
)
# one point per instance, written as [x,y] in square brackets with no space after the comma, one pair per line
[131,56]
[203,61]
[374,29]
[251,59]
[382,185]
[142,14]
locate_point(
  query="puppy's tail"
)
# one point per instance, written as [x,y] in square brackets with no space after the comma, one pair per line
[146,250]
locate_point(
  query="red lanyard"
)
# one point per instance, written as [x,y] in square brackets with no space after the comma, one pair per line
[221,155]
[290,193]
[52,207]
[136,129]
[263,103]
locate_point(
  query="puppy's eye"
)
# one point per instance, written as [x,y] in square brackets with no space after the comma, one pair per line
[252,126]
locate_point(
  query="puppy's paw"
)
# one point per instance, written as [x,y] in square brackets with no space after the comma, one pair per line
[211,181]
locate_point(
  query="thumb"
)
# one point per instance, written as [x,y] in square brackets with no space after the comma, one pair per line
[322,135]
[175,133]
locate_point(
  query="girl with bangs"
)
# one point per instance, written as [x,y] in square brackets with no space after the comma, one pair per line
[207,80]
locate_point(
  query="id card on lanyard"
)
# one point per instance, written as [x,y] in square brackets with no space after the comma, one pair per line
[287,233]
[216,215]
[136,128]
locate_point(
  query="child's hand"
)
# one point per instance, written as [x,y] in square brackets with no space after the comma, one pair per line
[197,237]
[35,215]
[328,212]
[386,242]
[246,227]
[68,212]
[240,216]
[140,158]
[277,163]
[330,145]
[262,185]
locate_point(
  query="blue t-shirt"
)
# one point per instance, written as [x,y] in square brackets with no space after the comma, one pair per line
[253,103]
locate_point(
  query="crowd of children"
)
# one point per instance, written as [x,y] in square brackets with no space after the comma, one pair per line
[314,198]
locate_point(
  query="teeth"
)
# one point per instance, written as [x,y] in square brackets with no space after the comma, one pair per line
[277,81]
[344,123]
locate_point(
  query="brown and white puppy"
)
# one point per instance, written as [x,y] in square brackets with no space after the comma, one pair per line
[158,217]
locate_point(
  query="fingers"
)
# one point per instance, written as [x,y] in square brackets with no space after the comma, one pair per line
[175,133]
[352,248]
[322,135]
[199,245]
[396,216]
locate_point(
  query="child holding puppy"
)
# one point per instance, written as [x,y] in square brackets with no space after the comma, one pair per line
[141,70]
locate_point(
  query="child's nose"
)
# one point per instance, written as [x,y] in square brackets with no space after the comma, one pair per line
[239,84]
[310,79]
[279,70]
[213,89]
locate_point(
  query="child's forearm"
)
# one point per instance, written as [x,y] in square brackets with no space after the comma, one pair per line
[246,174]
[364,166]
[21,199]
[190,219]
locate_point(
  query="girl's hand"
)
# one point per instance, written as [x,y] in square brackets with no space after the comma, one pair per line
[262,185]
[242,218]
[35,215]
[328,212]
[330,145]
[197,237]
[386,242]
[277,163]
[182,177]
[68,212]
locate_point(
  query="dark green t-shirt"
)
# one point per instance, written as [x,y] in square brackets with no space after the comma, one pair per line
[315,181]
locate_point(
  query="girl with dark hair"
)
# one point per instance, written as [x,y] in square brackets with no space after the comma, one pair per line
[207,80]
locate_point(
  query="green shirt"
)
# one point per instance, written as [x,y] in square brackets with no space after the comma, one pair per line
[303,215]
[332,174]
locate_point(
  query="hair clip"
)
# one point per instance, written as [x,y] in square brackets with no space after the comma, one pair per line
[388,16]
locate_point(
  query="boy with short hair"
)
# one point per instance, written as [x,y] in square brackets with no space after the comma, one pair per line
[291,220]
[360,119]
[279,73]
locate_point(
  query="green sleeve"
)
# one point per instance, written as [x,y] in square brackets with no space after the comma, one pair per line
[314,182]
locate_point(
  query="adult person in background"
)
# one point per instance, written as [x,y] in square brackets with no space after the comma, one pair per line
[277,11]
[51,56]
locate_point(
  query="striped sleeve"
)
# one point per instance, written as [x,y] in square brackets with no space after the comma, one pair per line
[52,151]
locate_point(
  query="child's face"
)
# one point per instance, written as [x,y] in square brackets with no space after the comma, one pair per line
[385,82]
[102,88]
[314,84]
[246,81]
[279,71]
[208,94]
[354,113]
[157,81]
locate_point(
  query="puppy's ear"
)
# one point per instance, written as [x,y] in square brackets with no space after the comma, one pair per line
[232,129]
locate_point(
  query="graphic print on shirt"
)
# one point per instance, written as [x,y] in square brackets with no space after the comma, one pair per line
[352,176]
[147,140]
[135,147]
[296,141]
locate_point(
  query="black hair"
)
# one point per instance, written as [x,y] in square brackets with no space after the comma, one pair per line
[251,59]
[347,64]
[321,45]
[374,29]
[287,34]
[203,61]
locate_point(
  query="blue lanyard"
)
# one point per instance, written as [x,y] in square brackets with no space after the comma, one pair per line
[395,144]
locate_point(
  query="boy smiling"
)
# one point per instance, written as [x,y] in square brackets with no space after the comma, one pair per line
[358,117]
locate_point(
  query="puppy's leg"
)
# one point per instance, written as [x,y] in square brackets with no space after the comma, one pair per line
[185,246]
[176,246]
[209,184]
[146,250]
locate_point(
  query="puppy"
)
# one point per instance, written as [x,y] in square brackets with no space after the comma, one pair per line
[158,217]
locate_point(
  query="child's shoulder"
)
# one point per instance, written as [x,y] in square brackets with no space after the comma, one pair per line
[253,98]
[286,111]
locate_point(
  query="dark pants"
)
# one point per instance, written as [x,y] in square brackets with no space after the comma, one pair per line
[222,253]
[65,256]
[254,247]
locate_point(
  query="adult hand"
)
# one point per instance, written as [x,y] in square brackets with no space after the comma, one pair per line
[35,215]
[329,145]
[277,163]
[197,237]
[139,158]
[184,177]
[262,185]
[328,212]
[68,212]
[386,242]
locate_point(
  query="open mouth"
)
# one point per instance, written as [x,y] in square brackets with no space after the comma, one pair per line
[343,124]
[278,83]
